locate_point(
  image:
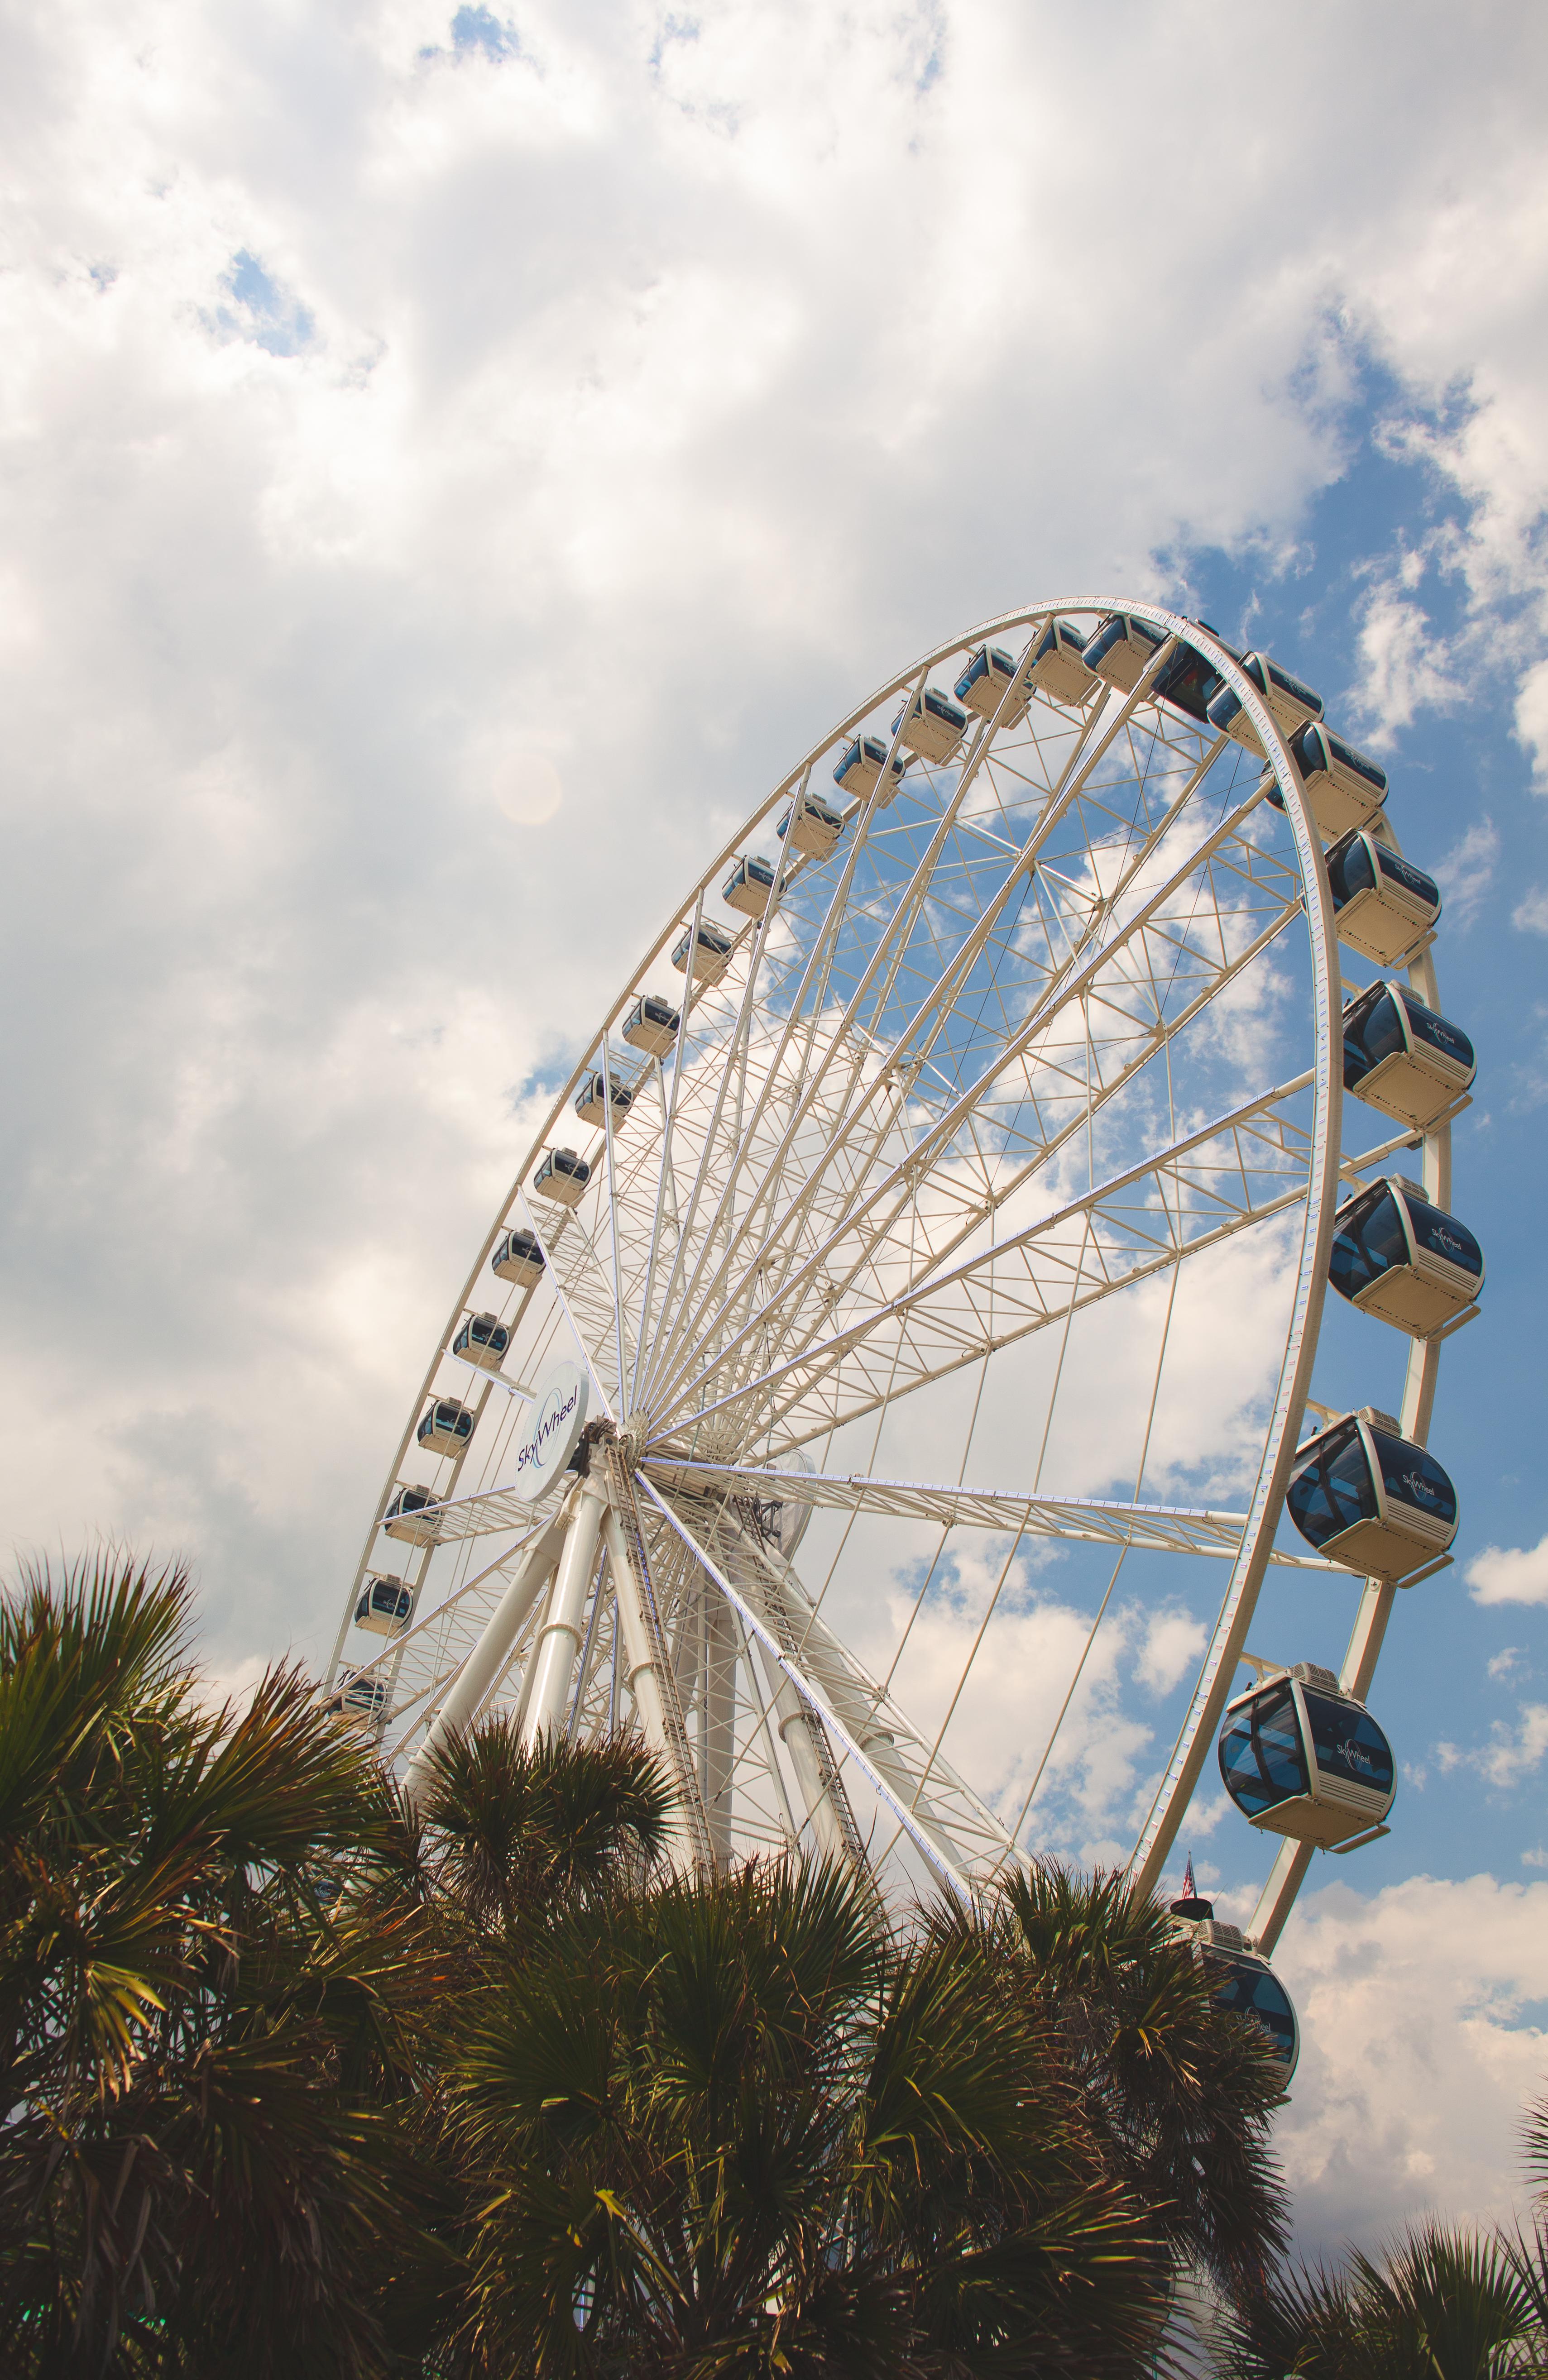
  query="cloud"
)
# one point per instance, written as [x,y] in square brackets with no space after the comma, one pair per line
[1512,1754]
[1510,1573]
[1420,2050]
[1532,723]
[1174,1645]
[1404,669]
[1468,870]
[1531,915]
[1502,1662]
[453,488]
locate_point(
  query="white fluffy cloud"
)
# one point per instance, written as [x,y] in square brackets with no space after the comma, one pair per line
[1419,2052]
[1467,871]
[1513,1751]
[1510,1573]
[454,465]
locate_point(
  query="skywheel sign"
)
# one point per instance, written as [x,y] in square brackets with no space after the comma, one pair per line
[557,1417]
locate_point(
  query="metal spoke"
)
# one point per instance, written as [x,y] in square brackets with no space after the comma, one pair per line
[1157,1528]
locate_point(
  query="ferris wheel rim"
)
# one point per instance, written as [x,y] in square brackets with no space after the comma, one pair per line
[1320,1196]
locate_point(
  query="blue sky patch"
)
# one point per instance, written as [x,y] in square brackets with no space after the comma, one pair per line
[480,29]
[263,310]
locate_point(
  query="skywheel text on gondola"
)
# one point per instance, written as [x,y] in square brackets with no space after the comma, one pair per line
[938,1224]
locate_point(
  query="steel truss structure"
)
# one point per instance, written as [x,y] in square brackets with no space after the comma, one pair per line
[1005,1116]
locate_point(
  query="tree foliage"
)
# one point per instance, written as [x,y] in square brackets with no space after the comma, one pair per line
[204,2043]
[302,2081]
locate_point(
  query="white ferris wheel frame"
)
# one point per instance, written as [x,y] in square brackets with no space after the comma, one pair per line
[1247,1540]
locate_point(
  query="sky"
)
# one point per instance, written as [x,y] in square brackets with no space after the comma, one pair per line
[454,462]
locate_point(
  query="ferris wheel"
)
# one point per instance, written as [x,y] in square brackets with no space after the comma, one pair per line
[888,1385]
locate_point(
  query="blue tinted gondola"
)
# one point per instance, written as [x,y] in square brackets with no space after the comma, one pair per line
[713,947]
[988,678]
[1346,788]
[1060,666]
[1385,907]
[1370,1499]
[1189,682]
[364,1701]
[1248,1987]
[1396,1256]
[1293,705]
[652,1025]
[817,825]
[1300,1758]
[1245,1983]
[1402,1058]
[445,1426]
[860,769]
[406,1517]
[483,1341]
[588,1101]
[561,1176]
[1121,649]
[517,1257]
[932,724]
[750,886]
[386,1606]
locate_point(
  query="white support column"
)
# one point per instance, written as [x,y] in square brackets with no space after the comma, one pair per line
[558,1645]
[639,1676]
[717,1734]
[796,1727]
[486,1663]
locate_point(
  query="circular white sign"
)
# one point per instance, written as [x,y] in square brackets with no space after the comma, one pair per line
[554,1420]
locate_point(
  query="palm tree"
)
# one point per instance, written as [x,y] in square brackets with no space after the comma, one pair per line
[1443,2304]
[735,2126]
[301,2082]
[511,1836]
[1179,2093]
[203,2040]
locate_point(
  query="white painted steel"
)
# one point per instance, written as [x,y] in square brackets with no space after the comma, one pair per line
[945,1094]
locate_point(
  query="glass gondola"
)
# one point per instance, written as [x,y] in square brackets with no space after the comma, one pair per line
[711,952]
[1121,649]
[1189,682]
[386,1606]
[1368,1497]
[519,1257]
[407,1518]
[1299,1757]
[362,1701]
[860,769]
[588,1101]
[933,725]
[445,1426]
[812,825]
[1398,1257]
[1293,705]
[1245,1983]
[1060,666]
[1346,789]
[1384,906]
[1402,1058]
[483,1341]
[750,886]
[988,678]
[561,1176]
[652,1025]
